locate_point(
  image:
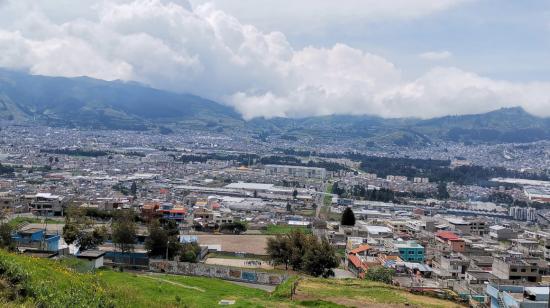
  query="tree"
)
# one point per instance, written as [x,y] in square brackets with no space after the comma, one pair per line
[133,189]
[288,207]
[234,227]
[303,252]
[6,241]
[442,192]
[80,230]
[299,242]
[279,250]
[380,273]
[157,241]
[295,194]
[320,259]
[348,217]
[190,252]
[124,232]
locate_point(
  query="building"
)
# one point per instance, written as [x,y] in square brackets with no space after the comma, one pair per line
[450,266]
[500,233]
[469,227]
[518,268]
[517,296]
[296,171]
[94,258]
[36,239]
[451,240]
[46,204]
[523,213]
[479,277]
[410,251]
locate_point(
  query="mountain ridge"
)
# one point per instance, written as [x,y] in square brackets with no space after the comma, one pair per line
[99,104]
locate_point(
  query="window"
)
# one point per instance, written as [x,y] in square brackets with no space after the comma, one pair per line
[411,252]
[513,270]
[523,270]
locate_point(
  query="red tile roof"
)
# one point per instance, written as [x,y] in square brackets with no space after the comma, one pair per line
[447,235]
[360,249]
[355,261]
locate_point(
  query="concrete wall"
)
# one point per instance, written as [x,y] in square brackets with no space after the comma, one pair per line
[216,271]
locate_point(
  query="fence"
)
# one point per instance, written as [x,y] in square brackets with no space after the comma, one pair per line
[217,271]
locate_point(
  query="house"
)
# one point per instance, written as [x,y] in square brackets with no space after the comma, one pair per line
[519,296]
[410,251]
[451,266]
[450,239]
[479,277]
[516,267]
[469,227]
[36,239]
[46,204]
[500,233]
[93,257]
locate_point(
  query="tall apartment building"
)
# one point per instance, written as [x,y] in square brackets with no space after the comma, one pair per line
[523,213]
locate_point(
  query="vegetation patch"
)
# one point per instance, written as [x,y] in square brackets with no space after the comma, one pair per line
[284,229]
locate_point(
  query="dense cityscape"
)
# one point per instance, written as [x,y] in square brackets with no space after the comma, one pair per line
[311,153]
[226,200]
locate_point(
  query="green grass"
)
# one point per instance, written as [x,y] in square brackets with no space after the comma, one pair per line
[132,290]
[284,229]
[327,201]
[350,291]
[229,255]
[19,220]
[46,283]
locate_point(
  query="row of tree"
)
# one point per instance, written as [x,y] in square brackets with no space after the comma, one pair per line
[80,229]
[303,252]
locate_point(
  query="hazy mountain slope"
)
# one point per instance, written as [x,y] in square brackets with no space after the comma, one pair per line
[87,102]
[90,102]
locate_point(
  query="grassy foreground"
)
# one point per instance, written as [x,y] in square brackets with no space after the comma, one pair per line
[32,282]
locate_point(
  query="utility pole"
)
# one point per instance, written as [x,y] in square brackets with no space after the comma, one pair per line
[167,245]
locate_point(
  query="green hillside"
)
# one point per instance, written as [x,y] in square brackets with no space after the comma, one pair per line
[32,282]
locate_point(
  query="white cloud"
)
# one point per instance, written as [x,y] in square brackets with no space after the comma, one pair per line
[436,55]
[311,15]
[209,52]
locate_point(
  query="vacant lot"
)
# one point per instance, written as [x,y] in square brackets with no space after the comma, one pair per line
[254,244]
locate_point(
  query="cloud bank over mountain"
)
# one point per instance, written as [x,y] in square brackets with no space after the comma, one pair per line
[205,51]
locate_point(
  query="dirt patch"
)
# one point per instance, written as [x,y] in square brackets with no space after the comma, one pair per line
[253,244]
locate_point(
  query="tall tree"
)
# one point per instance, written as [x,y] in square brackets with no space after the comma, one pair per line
[442,192]
[295,194]
[320,258]
[348,217]
[5,232]
[124,231]
[279,250]
[157,241]
[299,242]
[133,189]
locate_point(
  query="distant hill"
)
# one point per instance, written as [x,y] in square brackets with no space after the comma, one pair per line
[503,125]
[87,102]
[500,126]
[92,103]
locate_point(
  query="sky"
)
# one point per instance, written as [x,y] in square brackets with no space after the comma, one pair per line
[288,58]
